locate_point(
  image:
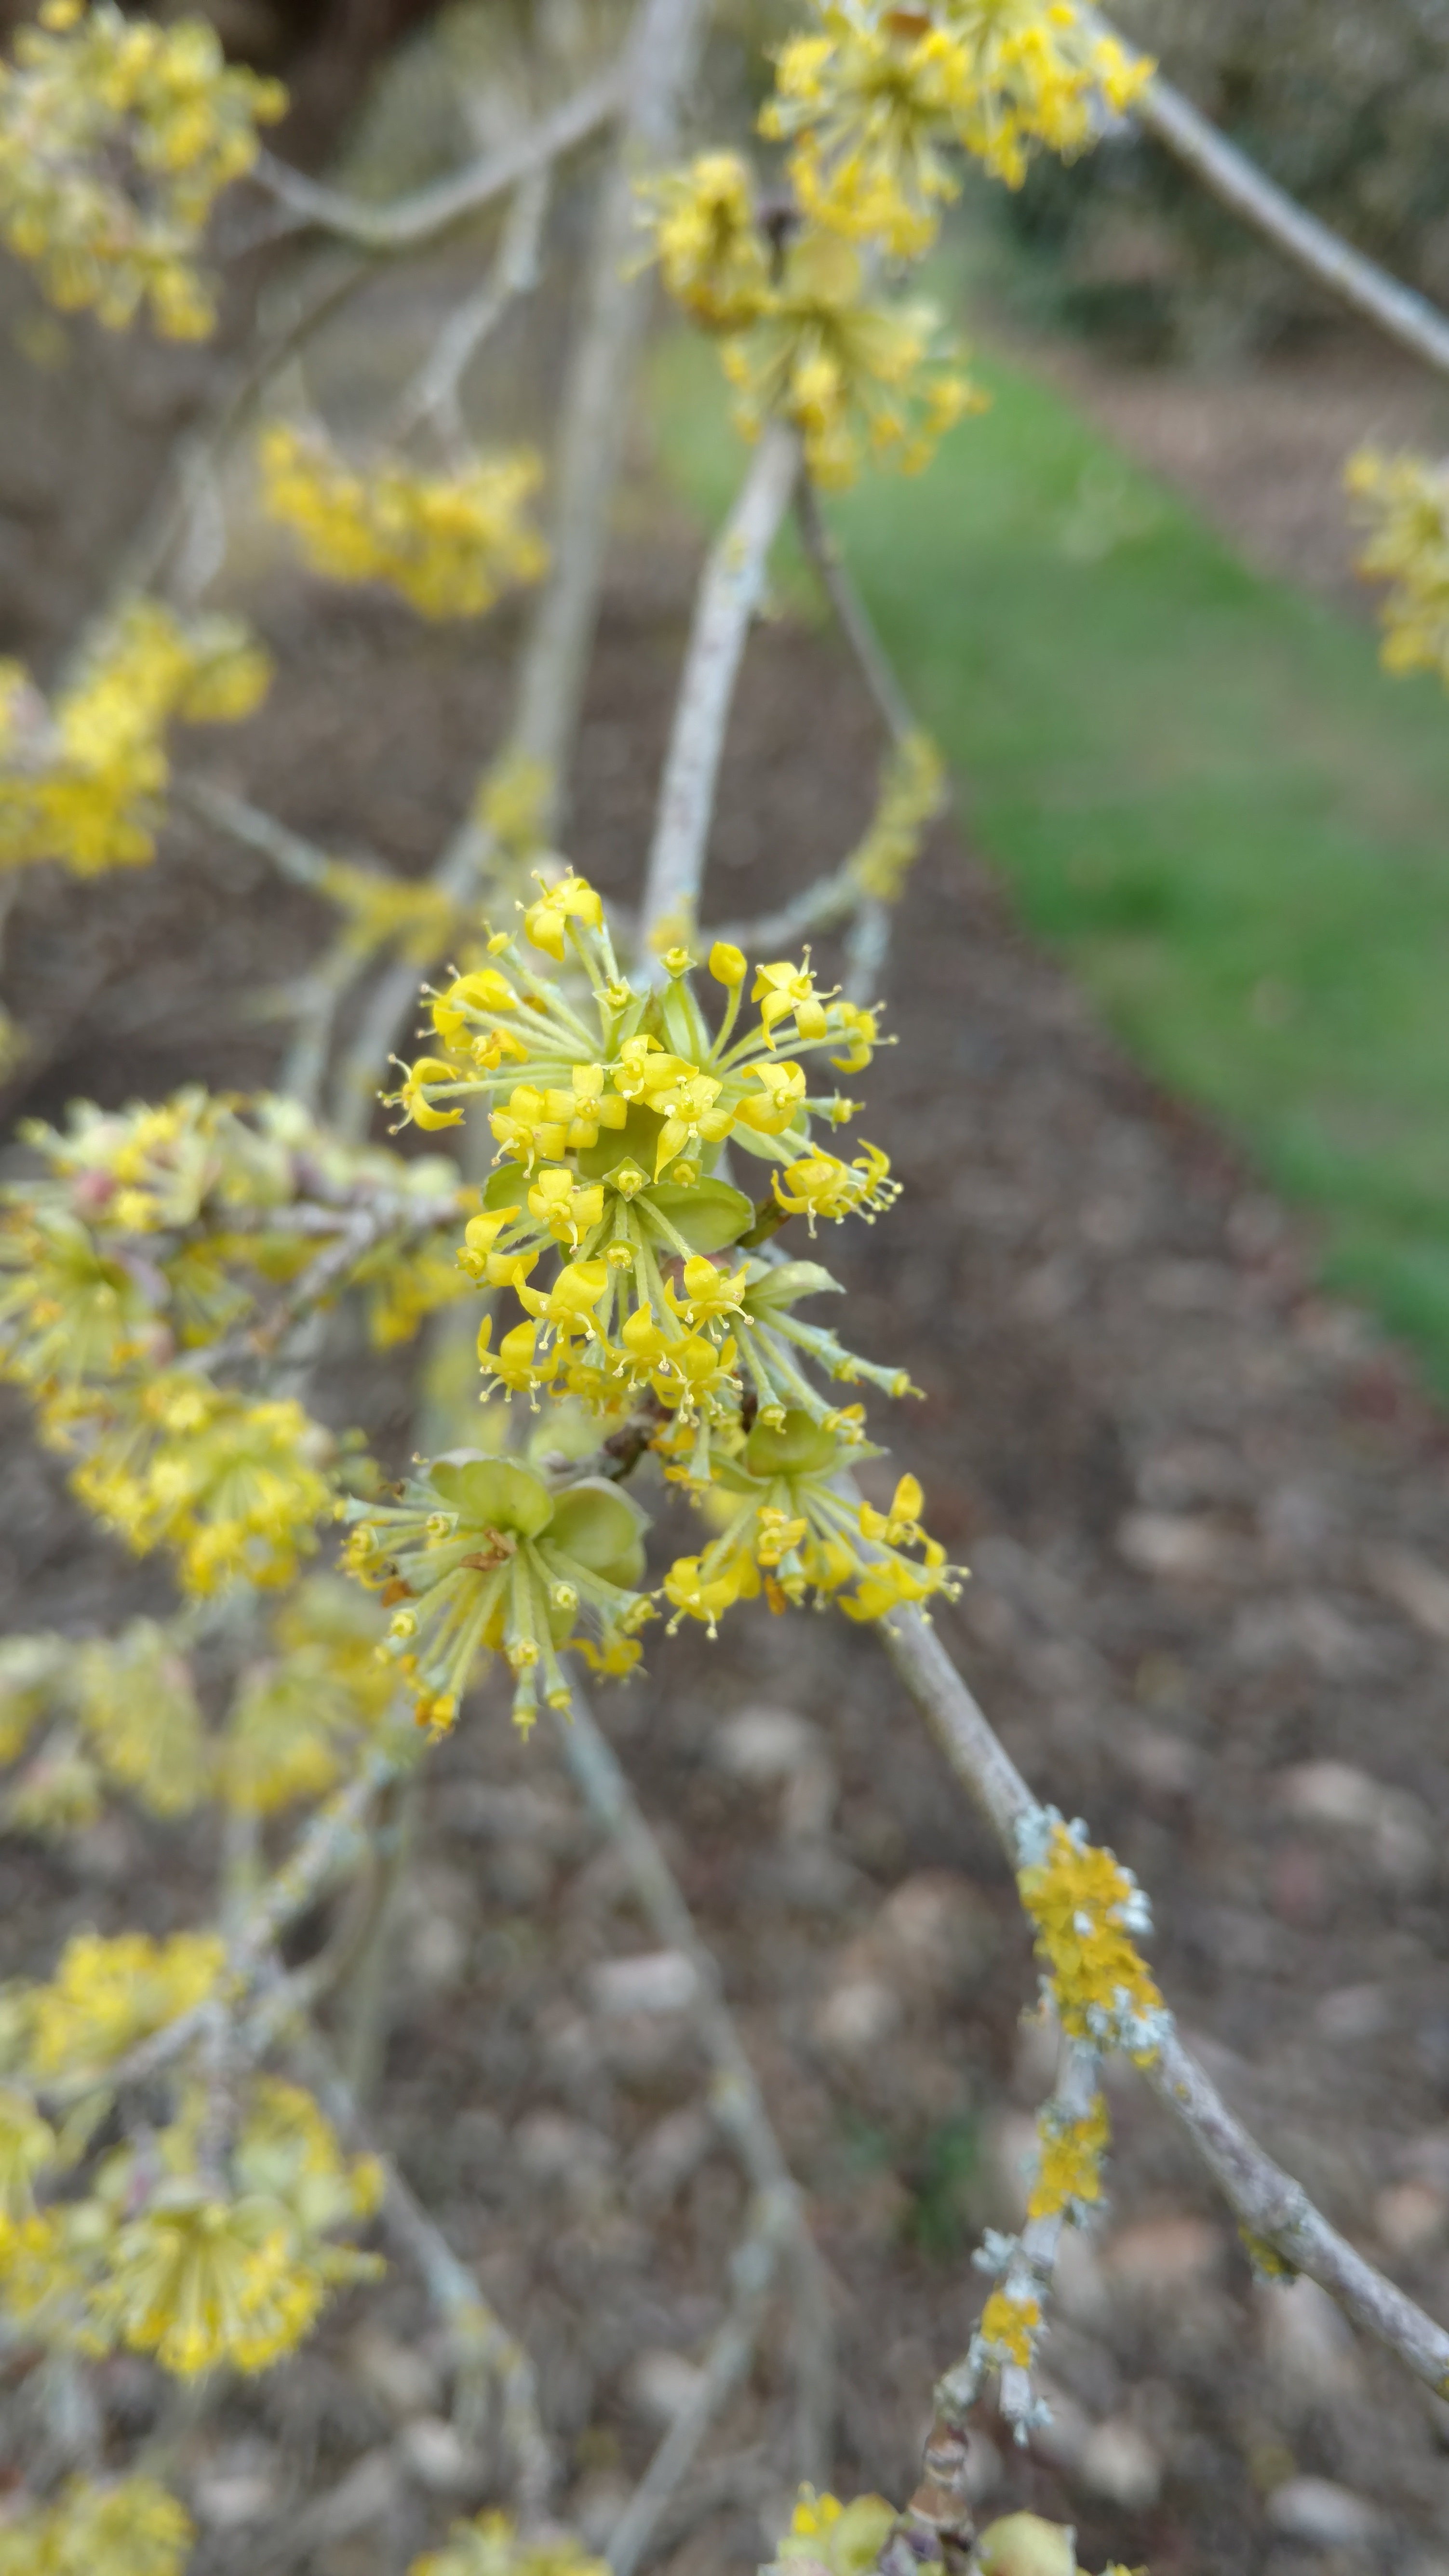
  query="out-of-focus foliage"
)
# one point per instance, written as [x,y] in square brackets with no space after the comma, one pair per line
[1343,102]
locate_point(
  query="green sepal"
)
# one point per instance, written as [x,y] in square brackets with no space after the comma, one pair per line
[785,1284]
[506,1186]
[637,1141]
[601,1528]
[707,1215]
[799,1447]
[492,1493]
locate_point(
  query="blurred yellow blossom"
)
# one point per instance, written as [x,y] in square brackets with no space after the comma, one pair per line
[117,135]
[83,781]
[450,542]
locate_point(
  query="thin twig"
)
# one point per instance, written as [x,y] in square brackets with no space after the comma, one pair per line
[728,597]
[293,856]
[738,2101]
[1312,246]
[753,2269]
[365,1998]
[318,999]
[660,58]
[941,2504]
[658,64]
[482,2343]
[824,906]
[336,1836]
[198,459]
[868,945]
[431,211]
[1268,2202]
[851,614]
[434,394]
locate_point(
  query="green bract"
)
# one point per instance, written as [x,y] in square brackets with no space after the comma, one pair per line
[481,1555]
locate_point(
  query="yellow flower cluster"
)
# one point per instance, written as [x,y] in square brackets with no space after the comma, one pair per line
[1085,1908]
[81,782]
[861,379]
[451,543]
[912,795]
[233,1488]
[840,2539]
[1403,502]
[117,135]
[106,1995]
[138,1710]
[121,2527]
[871,102]
[610,1116]
[1069,2153]
[128,1714]
[480,1557]
[159,1230]
[711,253]
[198,2267]
[808,340]
[789,1531]
[200,2280]
[492,2545]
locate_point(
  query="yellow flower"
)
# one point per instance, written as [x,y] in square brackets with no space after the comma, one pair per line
[821,1185]
[867,105]
[783,992]
[710,251]
[546,922]
[785,1523]
[413,1100]
[200,2281]
[451,543]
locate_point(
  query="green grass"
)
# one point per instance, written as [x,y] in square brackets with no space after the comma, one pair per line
[1204,791]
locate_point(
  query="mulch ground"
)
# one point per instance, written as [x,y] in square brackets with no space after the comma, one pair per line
[1207,1518]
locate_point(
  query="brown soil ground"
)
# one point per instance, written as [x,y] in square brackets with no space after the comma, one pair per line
[1204,1510]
